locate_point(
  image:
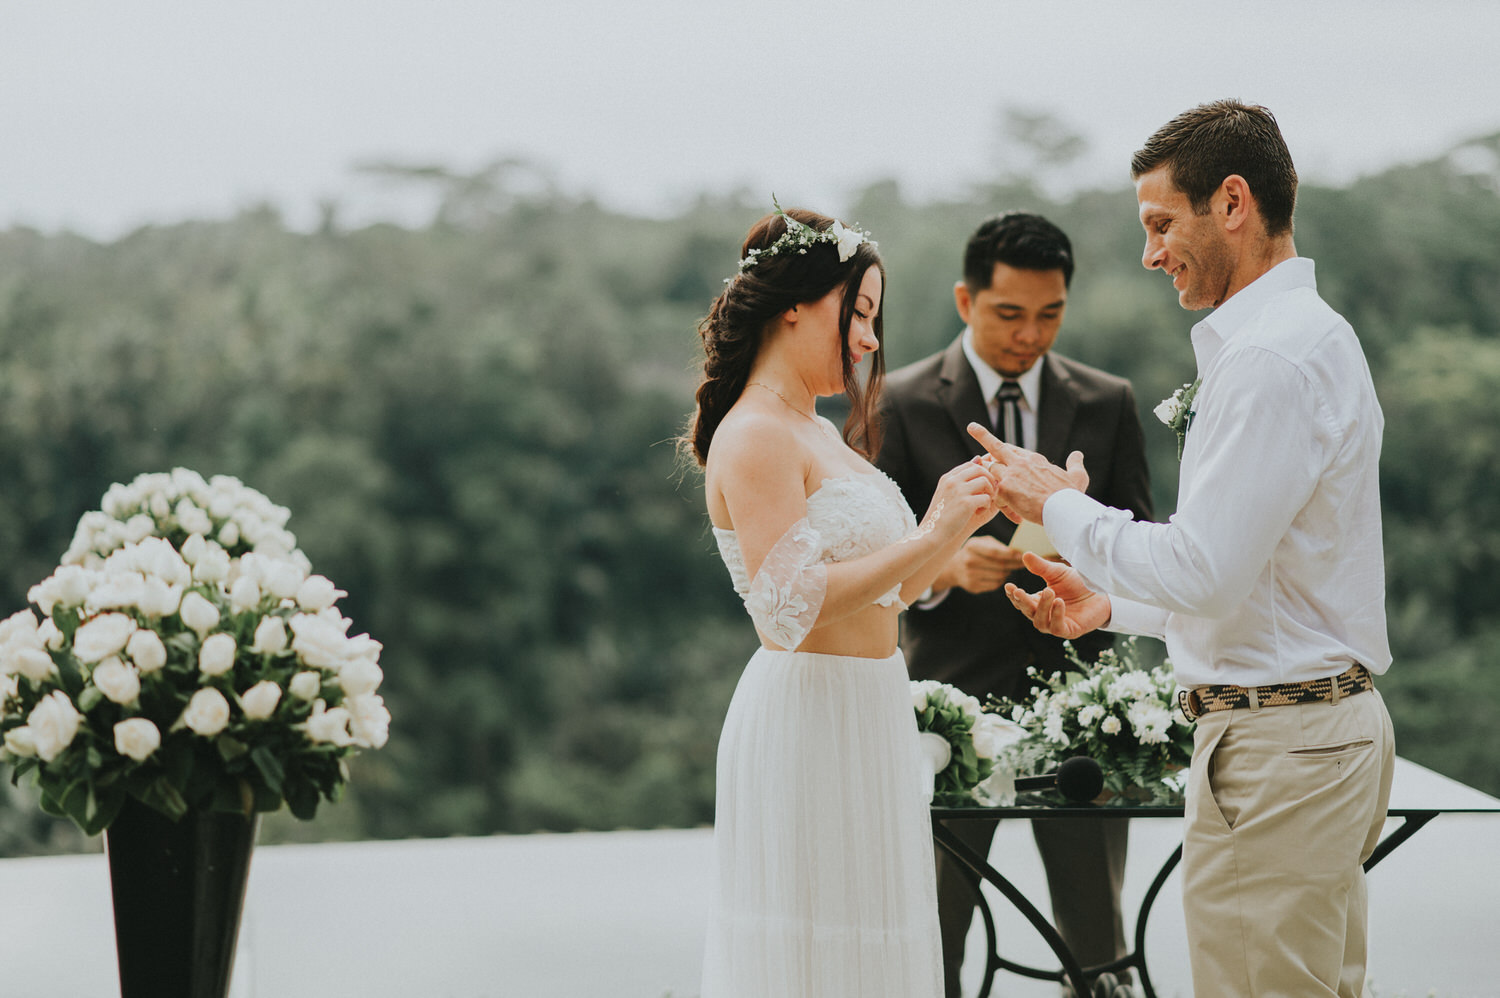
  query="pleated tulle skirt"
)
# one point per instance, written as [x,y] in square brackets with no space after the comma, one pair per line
[825,883]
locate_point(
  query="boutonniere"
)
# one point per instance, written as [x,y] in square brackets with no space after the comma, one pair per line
[1177,412]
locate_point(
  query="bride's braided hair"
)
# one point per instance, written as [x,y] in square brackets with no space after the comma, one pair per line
[735,324]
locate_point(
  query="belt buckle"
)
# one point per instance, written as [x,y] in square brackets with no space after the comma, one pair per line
[1186,700]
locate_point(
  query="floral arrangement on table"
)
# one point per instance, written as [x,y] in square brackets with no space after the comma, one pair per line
[186,656]
[1116,712]
[959,739]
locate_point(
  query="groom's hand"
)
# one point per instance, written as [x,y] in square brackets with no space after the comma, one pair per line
[1027,479]
[1066,608]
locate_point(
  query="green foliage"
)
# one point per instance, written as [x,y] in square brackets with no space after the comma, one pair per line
[473,426]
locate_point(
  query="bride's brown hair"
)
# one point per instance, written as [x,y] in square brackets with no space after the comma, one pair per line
[736,323]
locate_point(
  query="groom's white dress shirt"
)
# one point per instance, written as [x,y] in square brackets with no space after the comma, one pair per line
[1272,569]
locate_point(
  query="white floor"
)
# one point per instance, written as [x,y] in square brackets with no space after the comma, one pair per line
[620,915]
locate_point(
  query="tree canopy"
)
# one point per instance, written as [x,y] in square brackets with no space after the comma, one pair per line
[474,426]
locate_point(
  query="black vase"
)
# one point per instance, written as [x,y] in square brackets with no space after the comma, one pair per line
[179,889]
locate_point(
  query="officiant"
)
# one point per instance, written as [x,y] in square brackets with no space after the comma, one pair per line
[1001,370]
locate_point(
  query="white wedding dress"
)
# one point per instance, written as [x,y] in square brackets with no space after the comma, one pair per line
[825,880]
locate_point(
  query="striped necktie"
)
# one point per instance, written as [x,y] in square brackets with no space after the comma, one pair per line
[1008,417]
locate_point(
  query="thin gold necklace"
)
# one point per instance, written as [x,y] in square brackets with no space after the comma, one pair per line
[789,404]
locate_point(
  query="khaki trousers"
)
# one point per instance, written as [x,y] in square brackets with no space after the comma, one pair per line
[1284,804]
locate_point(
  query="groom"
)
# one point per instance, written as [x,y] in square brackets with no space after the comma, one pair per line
[1268,583]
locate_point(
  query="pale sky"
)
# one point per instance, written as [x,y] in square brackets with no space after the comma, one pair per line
[114,114]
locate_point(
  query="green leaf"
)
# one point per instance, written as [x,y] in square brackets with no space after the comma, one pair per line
[162,795]
[89,698]
[230,748]
[269,767]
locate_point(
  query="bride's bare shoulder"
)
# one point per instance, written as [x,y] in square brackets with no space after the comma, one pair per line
[754,443]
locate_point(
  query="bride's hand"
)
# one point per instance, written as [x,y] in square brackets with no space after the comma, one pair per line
[963,502]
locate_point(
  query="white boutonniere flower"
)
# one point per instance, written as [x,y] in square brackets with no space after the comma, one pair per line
[1177,412]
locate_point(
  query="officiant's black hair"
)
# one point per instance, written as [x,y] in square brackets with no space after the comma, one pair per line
[1016,239]
[1202,146]
[737,321]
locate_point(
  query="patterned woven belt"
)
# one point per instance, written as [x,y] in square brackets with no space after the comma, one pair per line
[1196,702]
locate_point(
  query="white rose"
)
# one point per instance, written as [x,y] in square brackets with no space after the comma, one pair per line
[158,599]
[49,635]
[281,578]
[319,640]
[198,613]
[1166,410]
[360,676]
[1110,725]
[139,527]
[229,534]
[118,591]
[193,548]
[191,518]
[318,593]
[259,701]
[244,594]
[369,721]
[53,723]
[329,726]
[848,240]
[305,685]
[207,713]
[212,565]
[116,680]
[32,663]
[146,650]
[136,738]
[103,636]
[216,657]
[19,628]
[270,636]
[21,741]
[918,698]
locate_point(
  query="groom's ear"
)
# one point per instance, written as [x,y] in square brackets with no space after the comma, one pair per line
[963,300]
[1233,203]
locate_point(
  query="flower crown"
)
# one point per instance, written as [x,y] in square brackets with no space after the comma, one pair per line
[799,236]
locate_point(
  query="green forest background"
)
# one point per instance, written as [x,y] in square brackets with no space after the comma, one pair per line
[473,424]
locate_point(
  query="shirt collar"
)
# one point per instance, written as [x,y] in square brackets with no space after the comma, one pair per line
[1219,326]
[989,378]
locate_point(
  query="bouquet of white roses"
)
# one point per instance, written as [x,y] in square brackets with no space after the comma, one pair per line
[186,656]
[1113,711]
[958,738]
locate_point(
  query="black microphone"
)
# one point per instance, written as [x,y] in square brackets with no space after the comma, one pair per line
[1077,779]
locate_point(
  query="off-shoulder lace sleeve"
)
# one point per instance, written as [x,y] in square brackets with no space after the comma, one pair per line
[787,592]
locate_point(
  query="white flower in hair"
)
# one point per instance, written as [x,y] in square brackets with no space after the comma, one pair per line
[848,240]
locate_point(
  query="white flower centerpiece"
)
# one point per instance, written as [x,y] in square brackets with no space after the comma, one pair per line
[186,656]
[1115,712]
[959,740]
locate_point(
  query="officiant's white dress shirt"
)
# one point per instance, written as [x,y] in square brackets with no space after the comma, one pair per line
[1272,569]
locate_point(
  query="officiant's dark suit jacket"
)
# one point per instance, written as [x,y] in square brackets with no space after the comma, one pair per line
[979,642]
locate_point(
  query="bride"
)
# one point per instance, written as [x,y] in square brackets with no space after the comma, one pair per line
[823,844]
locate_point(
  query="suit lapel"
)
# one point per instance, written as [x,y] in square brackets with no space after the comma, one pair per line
[1059,403]
[958,390]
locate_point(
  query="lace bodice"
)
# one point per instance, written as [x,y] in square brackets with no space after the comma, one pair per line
[849,516]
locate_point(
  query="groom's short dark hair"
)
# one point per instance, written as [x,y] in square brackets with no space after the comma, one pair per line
[1016,239]
[1202,146]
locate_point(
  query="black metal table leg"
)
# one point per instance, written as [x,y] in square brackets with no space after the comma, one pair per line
[1072,972]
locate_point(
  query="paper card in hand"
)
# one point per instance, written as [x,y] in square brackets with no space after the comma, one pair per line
[1031,537]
